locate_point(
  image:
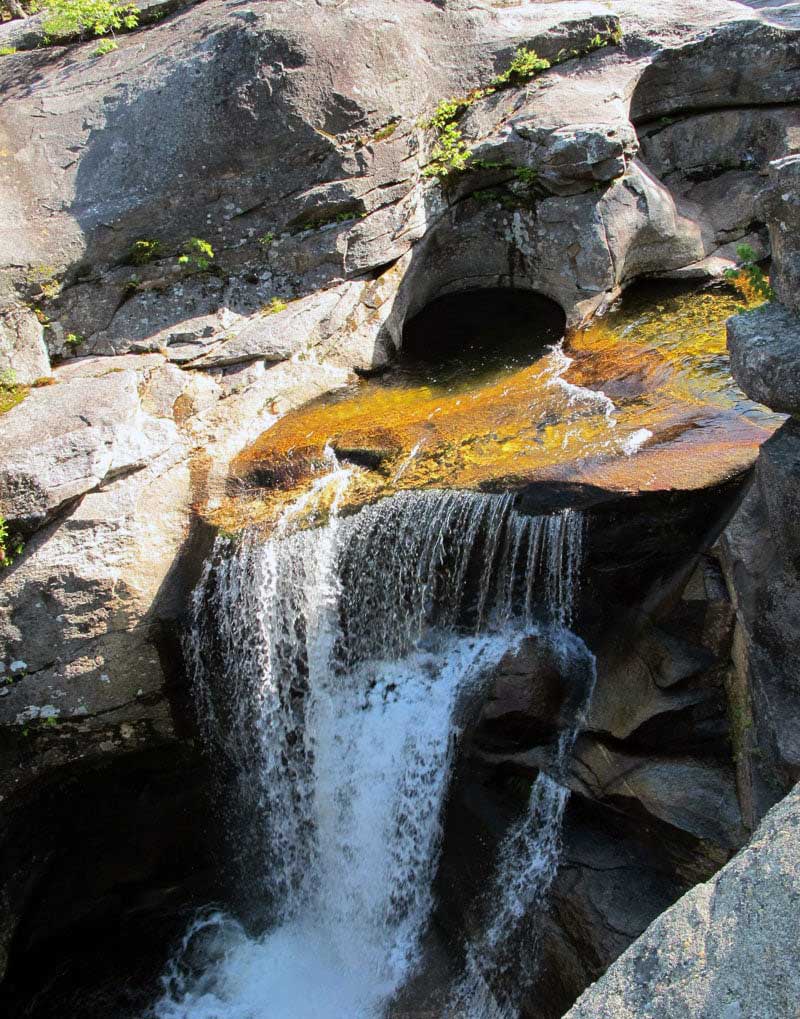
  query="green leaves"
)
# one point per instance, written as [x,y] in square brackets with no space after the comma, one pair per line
[526,64]
[197,254]
[11,545]
[144,251]
[450,154]
[79,17]
[274,306]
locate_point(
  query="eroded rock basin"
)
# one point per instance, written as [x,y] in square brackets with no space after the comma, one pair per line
[641,400]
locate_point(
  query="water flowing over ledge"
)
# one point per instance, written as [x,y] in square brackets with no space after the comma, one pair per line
[332,669]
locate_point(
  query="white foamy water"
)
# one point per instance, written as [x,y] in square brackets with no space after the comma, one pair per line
[501,963]
[331,667]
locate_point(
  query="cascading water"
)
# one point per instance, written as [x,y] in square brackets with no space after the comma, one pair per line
[331,665]
[501,963]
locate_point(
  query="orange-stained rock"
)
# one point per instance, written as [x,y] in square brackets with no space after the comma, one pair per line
[639,401]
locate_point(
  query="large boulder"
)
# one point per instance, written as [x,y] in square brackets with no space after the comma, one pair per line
[723,951]
[765,355]
[701,75]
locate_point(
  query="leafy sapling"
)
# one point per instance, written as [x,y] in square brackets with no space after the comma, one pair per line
[197,254]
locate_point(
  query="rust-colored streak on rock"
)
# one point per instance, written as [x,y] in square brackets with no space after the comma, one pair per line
[677,420]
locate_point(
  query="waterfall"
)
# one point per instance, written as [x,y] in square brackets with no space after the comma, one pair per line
[331,669]
[501,963]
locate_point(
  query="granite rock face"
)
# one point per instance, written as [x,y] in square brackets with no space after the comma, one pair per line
[725,949]
[65,440]
[781,207]
[303,175]
[765,355]
[23,353]
[304,172]
[655,805]
[761,557]
[763,571]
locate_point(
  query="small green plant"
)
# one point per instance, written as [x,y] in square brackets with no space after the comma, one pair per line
[450,154]
[144,251]
[78,17]
[749,278]
[597,42]
[197,254]
[6,51]
[525,64]
[73,340]
[11,545]
[274,306]
[526,175]
[265,240]
[445,113]
[105,46]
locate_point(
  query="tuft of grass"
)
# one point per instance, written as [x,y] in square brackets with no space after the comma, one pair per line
[6,51]
[526,64]
[11,393]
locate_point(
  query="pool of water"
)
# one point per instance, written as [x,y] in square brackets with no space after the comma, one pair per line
[490,395]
